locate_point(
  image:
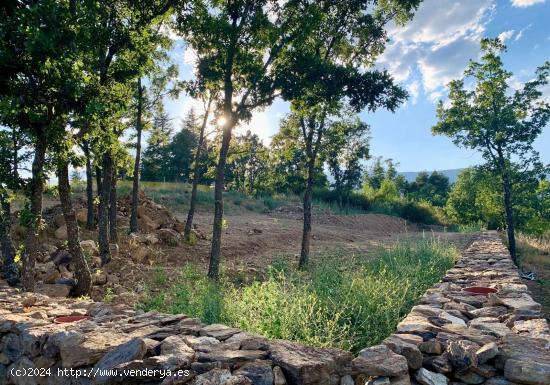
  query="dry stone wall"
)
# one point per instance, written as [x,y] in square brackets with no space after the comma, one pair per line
[450,338]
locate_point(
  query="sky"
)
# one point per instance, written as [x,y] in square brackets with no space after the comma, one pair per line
[423,56]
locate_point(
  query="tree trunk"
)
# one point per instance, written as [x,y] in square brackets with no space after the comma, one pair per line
[36,188]
[214,267]
[11,273]
[134,227]
[90,216]
[306,234]
[113,208]
[507,189]
[104,199]
[98,177]
[82,271]
[196,176]
[15,167]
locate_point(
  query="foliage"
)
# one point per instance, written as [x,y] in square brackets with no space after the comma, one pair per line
[476,198]
[433,188]
[500,123]
[343,300]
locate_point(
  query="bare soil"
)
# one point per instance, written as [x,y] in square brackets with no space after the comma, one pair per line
[252,240]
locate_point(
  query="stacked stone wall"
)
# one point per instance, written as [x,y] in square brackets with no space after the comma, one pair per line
[450,338]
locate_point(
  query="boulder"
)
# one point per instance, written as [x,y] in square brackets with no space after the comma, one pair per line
[132,350]
[425,377]
[527,372]
[82,216]
[59,220]
[219,331]
[79,349]
[53,290]
[258,372]
[89,247]
[169,237]
[407,350]
[304,365]
[462,354]
[487,352]
[61,233]
[380,360]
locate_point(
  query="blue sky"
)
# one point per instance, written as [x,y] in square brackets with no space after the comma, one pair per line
[423,57]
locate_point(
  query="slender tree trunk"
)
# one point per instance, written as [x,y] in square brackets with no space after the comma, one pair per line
[214,267]
[11,273]
[98,178]
[36,188]
[134,227]
[113,208]
[196,176]
[104,199]
[15,159]
[306,234]
[82,271]
[510,228]
[90,215]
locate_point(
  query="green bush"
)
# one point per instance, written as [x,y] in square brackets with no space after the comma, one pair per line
[343,300]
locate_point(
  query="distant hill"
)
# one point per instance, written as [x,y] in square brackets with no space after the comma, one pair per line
[451,174]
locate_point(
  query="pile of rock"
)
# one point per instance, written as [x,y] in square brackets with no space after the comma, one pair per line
[151,216]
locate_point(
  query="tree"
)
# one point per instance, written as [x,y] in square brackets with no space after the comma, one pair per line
[157,158]
[287,171]
[9,182]
[500,123]
[476,198]
[347,145]
[332,65]
[181,148]
[200,149]
[42,83]
[433,188]
[239,46]
[147,100]
[246,163]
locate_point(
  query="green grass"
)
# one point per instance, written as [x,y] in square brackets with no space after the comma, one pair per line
[343,300]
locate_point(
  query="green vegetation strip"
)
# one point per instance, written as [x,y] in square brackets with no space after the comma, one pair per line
[343,300]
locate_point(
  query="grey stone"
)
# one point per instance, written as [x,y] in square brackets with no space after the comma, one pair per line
[379,360]
[425,377]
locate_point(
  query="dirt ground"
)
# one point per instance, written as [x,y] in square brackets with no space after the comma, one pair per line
[251,240]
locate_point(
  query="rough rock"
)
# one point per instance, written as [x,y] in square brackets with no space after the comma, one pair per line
[258,372]
[408,350]
[425,377]
[462,354]
[77,349]
[53,289]
[487,352]
[134,349]
[379,360]
[303,365]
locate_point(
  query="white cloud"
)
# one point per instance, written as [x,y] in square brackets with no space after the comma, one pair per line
[438,43]
[520,33]
[506,35]
[526,3]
